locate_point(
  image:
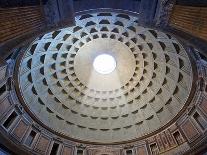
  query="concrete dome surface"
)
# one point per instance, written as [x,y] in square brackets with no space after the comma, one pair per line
[148,87]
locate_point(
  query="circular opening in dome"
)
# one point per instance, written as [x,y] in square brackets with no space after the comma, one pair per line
[104,64]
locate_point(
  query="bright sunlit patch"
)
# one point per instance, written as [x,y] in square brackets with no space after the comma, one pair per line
[104,64]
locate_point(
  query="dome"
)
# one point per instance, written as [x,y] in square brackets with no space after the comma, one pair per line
[146,90]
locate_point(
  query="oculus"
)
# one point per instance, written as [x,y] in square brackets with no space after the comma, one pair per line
[104,64]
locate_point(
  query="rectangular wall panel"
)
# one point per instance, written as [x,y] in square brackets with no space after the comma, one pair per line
[141,150]
[192,20]
[190,130]
[203,105]
[2,72]
[18,21]
[67,151]
[42,145]
[4,105]
[20,130]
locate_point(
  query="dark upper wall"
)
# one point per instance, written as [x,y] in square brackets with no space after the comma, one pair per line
[192,2]
[132,5]
[20,3]
[23,20]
